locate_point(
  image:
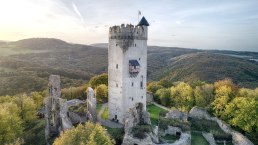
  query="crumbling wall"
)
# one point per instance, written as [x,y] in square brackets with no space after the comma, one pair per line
[238,138]
[197,112]
[149,98]
[91,105]
[135,116]
[176,114]
[130,140]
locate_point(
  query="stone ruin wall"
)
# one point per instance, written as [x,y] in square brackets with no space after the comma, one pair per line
[91,105]
[238,138]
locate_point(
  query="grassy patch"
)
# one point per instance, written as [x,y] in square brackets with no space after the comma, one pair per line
[209,126]
[170,138]
[116,133]
[154,113]
[198,139]
[98,108]
[105,115]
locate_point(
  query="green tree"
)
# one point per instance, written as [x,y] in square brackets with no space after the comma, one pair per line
[27,107]
[182,96]
[153,87]
[102,93]
[38,98]
[164,96]
[222,98]
[10,123]
[88,134]
[98,80]
[225,91]
[75,92]
[204,95]
[242,112]
[165,83]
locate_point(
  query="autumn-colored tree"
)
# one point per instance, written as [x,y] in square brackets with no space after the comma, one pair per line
[225,91]
[75,92]
[27,107]
[98,80]
[242,112]
[182,96]
[204,95]
[102,93]
[10,123]
[88,134]
[165,83]
[153,87]
[38,98]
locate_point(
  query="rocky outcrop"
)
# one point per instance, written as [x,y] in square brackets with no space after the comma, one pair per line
[135,116]
[175,114]
[200,113]
[130,140]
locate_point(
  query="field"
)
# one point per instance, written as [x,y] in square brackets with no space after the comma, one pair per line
[154,113]
[198,139]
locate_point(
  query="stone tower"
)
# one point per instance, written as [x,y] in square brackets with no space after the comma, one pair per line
[127,68]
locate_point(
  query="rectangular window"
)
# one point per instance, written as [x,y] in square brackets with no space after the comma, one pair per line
[132,84]
[141,82]
[117,66]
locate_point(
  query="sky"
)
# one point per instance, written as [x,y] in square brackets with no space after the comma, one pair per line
[202,24]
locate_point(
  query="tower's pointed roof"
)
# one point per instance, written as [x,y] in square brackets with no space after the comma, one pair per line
[143,22]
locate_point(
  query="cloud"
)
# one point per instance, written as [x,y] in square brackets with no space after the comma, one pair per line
[76,10]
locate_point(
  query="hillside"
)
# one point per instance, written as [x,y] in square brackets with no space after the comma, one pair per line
[26,64]
[210,67]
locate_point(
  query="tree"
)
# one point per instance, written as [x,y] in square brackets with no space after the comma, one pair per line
[204,95]
[222,98]
[98,80]
[182,96]
[88,134]
[242,112]
[75,92]
[153,87]
[102,93]
[225,91]
[38,98]
[164,96]
[10,123]
[165,83]
[27,107]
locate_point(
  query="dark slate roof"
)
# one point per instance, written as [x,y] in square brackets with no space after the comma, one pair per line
[143,22]
[134,63]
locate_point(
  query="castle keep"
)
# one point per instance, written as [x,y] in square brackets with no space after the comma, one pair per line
[127,68]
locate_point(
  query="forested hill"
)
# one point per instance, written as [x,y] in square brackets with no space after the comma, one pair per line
[209,67]
[26,64]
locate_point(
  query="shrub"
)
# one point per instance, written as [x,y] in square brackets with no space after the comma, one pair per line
[164,123]
[140,131]
[218,135]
